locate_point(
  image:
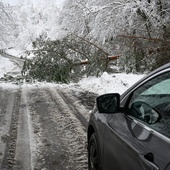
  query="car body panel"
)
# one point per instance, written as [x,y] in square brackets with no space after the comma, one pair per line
[117,147]
[131,141]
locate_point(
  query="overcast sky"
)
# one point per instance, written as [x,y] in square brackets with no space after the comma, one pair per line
[14,2]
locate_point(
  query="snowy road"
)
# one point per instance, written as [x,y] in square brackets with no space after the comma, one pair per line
[43,128]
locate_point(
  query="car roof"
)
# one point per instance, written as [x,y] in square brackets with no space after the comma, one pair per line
[164,67]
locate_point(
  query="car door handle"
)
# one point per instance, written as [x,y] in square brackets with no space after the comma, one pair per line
[149,161]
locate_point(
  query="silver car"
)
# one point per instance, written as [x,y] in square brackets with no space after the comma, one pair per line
[132,131]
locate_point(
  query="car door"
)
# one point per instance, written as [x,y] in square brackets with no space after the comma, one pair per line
[139,137]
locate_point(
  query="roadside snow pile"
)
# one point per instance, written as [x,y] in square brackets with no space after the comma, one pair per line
[5,66]
[114,83]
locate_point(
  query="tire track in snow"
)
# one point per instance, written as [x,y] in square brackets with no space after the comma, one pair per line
[9,155]
[6,109]
[46,131]
[74,108]
[24,156]
[59,136]
[75,138]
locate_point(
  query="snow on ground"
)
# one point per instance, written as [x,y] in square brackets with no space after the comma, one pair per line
[108,83]
[13,52]
[17,52]
[5,66]
[20,53]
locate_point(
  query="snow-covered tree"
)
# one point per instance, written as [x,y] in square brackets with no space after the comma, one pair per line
[7,26]
[33,21]
[136,30]
[145,30]
[126,27]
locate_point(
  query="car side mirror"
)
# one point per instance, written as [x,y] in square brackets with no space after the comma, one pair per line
[108,103]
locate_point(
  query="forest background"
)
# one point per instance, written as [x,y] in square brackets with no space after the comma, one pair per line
[84,38]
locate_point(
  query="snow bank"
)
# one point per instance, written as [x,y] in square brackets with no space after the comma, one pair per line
[109,83]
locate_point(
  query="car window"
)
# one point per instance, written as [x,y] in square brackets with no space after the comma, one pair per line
[162,87]
[150,104]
